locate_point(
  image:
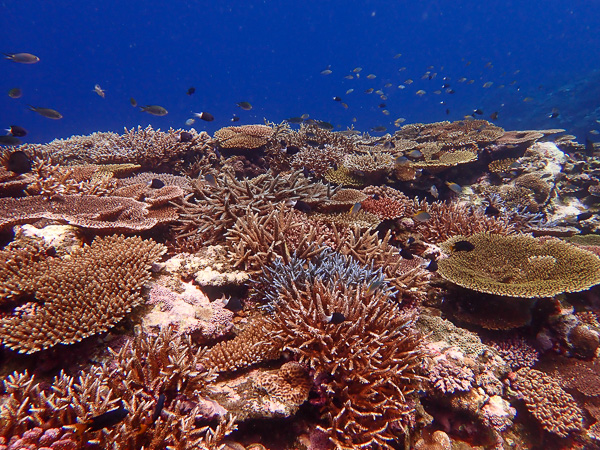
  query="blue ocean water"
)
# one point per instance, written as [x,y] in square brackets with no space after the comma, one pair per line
[272,53]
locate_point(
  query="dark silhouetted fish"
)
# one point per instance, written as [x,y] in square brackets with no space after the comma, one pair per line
[155,110]
[295,120]
[432,266]
[208,117]
[584,216]
[159,407]
[302,206]
[18,162]
[47,112]
[191,91]
[108,419]
[337,99]
[325,125]
[235,118]
[491,210]
[462,246]
[156,183]
[210,179]
[17,131]
[379,129]
[133,102]
[186,136]
[337,318]
[23,58]
[10,140]
[494,115]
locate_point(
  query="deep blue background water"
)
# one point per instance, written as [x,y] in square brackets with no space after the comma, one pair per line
[271,53]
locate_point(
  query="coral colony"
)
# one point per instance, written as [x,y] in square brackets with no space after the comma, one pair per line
[286,286]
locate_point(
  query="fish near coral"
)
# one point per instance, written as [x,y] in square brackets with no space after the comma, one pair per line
[47,112]
[155,110]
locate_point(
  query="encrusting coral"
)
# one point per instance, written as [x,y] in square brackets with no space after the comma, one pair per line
[68,299]
[518,266]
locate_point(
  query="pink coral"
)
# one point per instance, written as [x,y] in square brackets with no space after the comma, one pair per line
[516,352]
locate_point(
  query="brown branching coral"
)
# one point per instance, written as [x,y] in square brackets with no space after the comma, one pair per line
[451,219]
[86,211]
[554,408]
[368,361]
[519,266]
[251,346]
[162,365]
[255,241]
[75,297]
[244,137]
[220,206]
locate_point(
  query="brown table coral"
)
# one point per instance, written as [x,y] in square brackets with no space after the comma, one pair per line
[518,266]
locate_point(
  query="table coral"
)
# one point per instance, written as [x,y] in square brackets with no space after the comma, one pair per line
[77,296]
[519,266]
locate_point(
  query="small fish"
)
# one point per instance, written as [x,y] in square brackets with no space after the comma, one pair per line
[155,183]
[388,145]
[190,122]
[15,93]
[515,165]
[23,58]
[595,132]
[337,99]
[399,121]
[305,116]
[379,92]
[397,55]
[494,115]
[478,111]
[401,86]
[47,112]
[433,190]
[133,102]
[155,110]
[368,91]
[584,216]
[373,286]
[349,91]
[488,84]
[447,112]
[406,254]
[554,114]
[379,129]
[210,179]
[382,105]
[336,318]
[186,136]
[445,85]
[326,72]
[10,140]
[387,85]
[302,206]
[17,131]
[98,90]
[357,69]
[450,91]
[207,117]
[355,209]
[432,266]
[235,118]
[462,80]
[470,81]
[462,246]
[385,112]
[191,91]
[349,77]
[371,76]
[401,160]
[422,216]
[18,162]
[420,92]
[491,210]
[528,99]
[415,154]
[245,106]
[438,92]
[325,125]
[454,187]
[159,407]
[344,105]
[409,81]
[108,419]
[401,69]
[296,120]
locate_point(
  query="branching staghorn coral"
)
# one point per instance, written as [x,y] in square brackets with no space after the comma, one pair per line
[256,241]
[219,206]
[68,299]
[368,361]
[142,371]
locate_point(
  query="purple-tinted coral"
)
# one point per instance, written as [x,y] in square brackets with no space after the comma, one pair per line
[38,439]
[449,376]
[516,352]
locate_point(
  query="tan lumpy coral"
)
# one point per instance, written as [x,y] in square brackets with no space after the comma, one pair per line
[246,136]
[76,296]
[519,266]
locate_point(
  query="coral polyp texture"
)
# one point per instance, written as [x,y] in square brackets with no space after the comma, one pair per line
[65,300]
[286,286]
[518,266]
